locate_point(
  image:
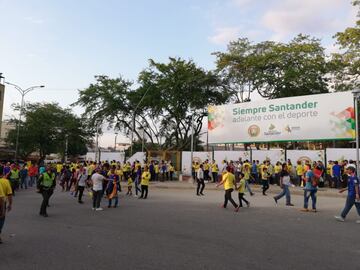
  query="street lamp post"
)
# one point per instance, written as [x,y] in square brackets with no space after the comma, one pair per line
[22,93]
[116,134]
[133,121]
[356,94]
[192,144]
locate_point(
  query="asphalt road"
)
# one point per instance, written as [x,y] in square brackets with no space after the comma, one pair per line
[174,229]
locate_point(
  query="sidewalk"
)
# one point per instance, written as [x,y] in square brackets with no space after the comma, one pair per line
[274,189]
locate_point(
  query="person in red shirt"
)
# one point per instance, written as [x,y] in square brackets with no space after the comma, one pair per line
[33,174]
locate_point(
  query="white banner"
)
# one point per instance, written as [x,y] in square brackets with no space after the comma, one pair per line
[315,117]
[340,154]
[199,157]
[272,155]
[305,155]
[219,156]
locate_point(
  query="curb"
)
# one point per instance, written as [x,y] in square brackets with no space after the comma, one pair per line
[257,188]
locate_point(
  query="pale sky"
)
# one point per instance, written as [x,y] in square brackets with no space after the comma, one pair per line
[63,44]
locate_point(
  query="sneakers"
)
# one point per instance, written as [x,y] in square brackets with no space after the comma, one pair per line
[289,204]
[237,209]
[339,218]
[99,209]
[275,201]
[93,208]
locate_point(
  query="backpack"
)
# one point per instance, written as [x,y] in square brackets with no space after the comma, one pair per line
[315,181]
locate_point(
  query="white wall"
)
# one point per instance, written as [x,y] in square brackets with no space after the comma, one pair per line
[106,156]
[219,156]
[312,155]
[272,155]
[197,156]
[340,154]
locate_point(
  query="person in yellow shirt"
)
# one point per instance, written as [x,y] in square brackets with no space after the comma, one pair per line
[299,173]
[157,170]
[329,172]
[145,179]
[265,180]
[261,167]
[171,170]
[289,166]
[129,185]
[277,171]
[247,175]
[206,170]
[5,199]
[214,171]
[228,180]
[241,190]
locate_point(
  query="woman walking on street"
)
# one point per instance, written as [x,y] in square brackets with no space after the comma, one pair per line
[284,184]
[200,181]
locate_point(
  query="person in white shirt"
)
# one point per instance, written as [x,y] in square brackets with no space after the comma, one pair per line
[81,183]
[97,189]
[200,181]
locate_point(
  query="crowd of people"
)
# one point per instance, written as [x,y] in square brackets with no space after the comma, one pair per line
[238,175]
[102,180]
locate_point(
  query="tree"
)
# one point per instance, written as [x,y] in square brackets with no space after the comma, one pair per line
[236,68]
[113,101]
[169,94]
[275,69]
[346,64]
[46,128]
[178,92]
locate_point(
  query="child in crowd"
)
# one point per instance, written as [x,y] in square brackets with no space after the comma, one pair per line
[129,184]
[241,189]
[112,189]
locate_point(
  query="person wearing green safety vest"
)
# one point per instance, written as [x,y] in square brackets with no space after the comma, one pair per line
[46,185]
[14,178]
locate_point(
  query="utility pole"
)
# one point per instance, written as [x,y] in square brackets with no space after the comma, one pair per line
[22,93]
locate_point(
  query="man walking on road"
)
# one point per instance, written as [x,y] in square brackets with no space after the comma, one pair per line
[46,186]
[353,195]
[97,189]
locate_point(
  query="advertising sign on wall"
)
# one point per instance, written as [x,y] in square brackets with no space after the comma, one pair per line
[314,117]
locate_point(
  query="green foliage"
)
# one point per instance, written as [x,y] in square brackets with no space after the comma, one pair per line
[274,69]
[178,91]
[45,129]
[346,64]
[168,95]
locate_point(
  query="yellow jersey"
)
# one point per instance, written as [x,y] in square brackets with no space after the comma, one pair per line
[299,170]
[242,186]
[5,188]
[145,178]
[277,169]
[130,181]
[229,180]
[206,166]
[214,168]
